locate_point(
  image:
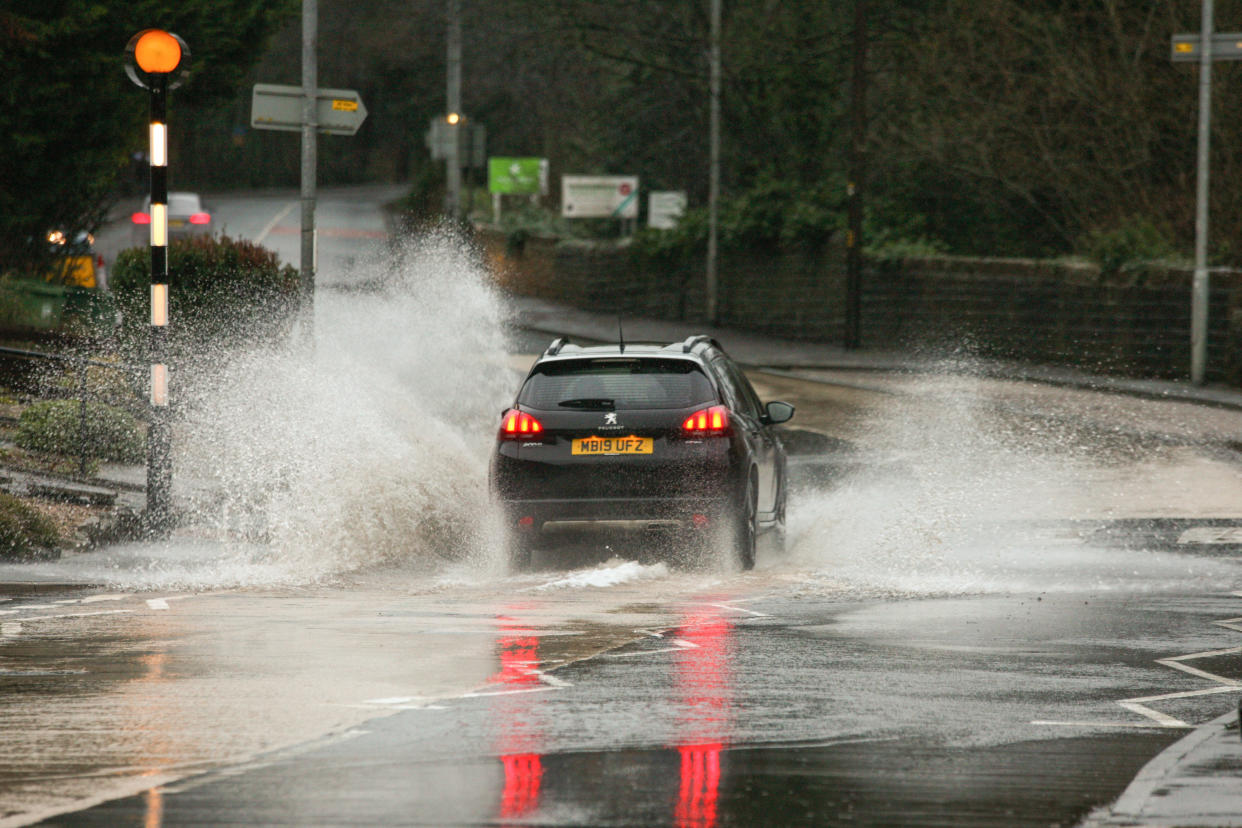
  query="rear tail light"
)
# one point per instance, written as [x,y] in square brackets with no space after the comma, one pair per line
[711,422]
[518,425]
[141,218]
[200,218]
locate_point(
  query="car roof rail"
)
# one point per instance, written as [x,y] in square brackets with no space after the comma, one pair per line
[691,341]
[556,346]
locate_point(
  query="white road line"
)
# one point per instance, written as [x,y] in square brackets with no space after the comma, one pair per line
[271,225]
[732,608]
[157,603]
[1234,624]
[73,615]
[1139,725]
[679,644]
[1176,664]
[9,629]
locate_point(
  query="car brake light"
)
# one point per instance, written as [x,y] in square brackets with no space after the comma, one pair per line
[712,421]
[142,218]
[518,424]
[200,218]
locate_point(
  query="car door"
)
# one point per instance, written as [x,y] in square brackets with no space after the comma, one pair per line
[746,405]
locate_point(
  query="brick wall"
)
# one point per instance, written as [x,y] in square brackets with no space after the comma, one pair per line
[1046,312]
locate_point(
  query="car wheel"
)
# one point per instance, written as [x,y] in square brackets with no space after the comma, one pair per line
[778,531]
[744,530]
[519,547]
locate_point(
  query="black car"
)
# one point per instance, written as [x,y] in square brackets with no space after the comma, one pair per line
[649,440]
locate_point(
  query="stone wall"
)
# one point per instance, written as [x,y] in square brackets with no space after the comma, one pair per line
[1055,313]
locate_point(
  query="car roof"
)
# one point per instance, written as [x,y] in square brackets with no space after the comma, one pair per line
[690,349]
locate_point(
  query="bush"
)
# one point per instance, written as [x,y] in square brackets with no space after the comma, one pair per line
[222,292]
[1133,240]
[25,532]
[54,426]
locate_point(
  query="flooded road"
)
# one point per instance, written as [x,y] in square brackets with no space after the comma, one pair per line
[998,601]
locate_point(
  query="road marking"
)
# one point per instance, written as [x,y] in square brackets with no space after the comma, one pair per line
[1138,704]
[1211,534]
[74,615]
[1176,664]
[271,225]
[679,644]
[157,603]
[732,608]
[1137,725]
[9,629]
[1230,623]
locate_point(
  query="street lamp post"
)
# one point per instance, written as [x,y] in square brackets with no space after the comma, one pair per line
[152,58]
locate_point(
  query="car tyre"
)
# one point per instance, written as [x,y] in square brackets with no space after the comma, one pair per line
[519,549]
[744,530]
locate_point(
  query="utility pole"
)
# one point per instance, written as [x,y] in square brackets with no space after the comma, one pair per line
[854,187]
[1199,288]
[452,190]
[310,137]
[713,187]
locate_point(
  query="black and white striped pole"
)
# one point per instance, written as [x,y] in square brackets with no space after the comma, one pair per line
[156,60]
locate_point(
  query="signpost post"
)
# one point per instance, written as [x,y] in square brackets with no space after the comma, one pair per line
[336,112]
[1203,49]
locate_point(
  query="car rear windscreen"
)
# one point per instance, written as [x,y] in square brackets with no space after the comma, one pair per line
[617,383]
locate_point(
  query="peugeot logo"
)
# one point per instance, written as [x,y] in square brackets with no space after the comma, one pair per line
[610,418]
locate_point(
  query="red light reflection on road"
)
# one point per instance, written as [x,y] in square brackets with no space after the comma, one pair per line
[705,686]
[518,652]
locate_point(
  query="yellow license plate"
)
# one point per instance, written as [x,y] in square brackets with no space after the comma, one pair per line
[176,223]
[612,445]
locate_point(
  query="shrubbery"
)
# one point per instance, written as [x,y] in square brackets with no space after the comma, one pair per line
[1133,240]
[54,426]
[25,532]
[222,292]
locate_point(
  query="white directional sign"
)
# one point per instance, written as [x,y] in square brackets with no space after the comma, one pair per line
[599,196]
[339,111]
[1225,46]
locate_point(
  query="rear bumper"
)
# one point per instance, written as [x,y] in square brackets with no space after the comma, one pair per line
[621,513]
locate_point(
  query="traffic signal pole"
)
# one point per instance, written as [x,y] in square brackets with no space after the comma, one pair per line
[159,443]
[151,59]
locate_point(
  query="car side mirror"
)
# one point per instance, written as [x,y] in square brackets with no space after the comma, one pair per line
[777,412]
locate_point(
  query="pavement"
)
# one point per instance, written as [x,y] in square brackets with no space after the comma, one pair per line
[1195,782]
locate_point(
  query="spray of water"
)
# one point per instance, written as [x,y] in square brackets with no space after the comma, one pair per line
[971,499]
[369,448]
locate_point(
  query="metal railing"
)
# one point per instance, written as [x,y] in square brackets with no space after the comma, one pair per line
[83,395]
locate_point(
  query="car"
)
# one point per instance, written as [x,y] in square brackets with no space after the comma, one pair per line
[75,261]
[186,217]
[644,440]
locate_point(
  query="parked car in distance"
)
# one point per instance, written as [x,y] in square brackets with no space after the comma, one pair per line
[76,262]
[186,217]
[666,441]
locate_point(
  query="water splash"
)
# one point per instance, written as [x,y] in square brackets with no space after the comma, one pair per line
[372,448]
[974,499]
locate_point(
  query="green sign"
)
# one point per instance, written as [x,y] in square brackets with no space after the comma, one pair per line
[516,176]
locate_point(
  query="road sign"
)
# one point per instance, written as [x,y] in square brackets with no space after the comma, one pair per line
[599,196]
[665,208]
[339,111]
[517,176]
[1225,46]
